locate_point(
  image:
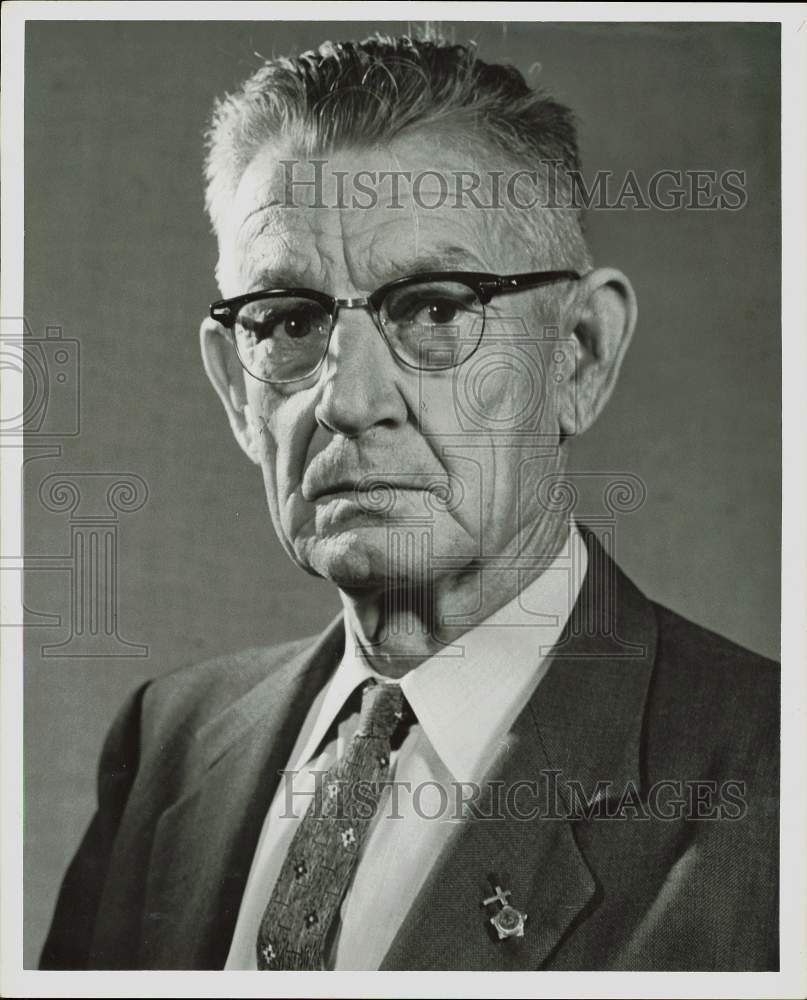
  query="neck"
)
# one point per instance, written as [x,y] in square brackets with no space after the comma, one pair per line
[398,628]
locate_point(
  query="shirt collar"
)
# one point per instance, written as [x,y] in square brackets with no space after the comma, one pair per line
[467,696]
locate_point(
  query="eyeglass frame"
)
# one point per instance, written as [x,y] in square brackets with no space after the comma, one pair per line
[486,287]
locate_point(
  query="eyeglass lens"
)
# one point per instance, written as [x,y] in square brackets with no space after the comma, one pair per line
[428,325]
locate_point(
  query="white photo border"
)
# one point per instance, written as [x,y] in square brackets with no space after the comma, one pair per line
[791,980]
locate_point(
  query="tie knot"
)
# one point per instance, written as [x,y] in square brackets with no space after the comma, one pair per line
[381,710]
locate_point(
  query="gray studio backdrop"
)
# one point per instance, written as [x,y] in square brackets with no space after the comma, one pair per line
[120,260]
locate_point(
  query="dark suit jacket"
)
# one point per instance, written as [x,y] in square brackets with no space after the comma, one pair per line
[635,695]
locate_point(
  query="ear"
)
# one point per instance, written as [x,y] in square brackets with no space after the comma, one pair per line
[604,317]
[227,378]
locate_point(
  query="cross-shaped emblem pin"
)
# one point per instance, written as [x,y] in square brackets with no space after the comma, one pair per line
[508,921]
[500,897]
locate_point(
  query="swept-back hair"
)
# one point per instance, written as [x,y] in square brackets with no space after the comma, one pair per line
[353,94]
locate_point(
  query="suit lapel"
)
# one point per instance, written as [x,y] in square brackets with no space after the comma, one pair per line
[448,928]
[205,841]
[584,724]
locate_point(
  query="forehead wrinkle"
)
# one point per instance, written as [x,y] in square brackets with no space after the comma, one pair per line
[388,254]
[271,257]
[311,253]
[269,222]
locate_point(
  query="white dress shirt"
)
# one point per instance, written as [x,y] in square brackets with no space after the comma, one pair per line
[465,699]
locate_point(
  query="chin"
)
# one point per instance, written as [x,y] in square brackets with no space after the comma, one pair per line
[357,558]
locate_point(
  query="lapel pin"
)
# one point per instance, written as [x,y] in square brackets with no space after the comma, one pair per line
[507,921]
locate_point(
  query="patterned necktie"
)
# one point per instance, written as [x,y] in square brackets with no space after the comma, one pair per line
[324,850]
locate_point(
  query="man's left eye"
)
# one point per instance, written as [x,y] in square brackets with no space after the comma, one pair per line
[439,312]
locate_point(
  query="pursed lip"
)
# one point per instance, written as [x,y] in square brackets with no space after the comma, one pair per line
[346,488]
[343,488]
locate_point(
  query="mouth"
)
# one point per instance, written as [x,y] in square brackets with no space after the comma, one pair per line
[371,494]
[332,491]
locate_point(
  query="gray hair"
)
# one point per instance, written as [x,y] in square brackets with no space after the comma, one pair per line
[353,94]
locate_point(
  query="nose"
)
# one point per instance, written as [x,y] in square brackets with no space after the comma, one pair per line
[359,389]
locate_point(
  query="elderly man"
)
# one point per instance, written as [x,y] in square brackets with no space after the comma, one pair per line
[501,755]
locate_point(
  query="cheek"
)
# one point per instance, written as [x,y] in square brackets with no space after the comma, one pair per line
[261,417]
[283,426]
[505,392]
[434,402]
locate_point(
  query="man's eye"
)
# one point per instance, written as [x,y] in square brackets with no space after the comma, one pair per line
[295,325]
[292,324]
[438,312]
[439,304]
[432,311]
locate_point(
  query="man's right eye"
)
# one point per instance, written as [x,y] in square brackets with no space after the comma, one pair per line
[295,325]
[280,324]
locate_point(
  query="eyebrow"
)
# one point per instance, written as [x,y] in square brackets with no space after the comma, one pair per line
[445,258]
[283,277]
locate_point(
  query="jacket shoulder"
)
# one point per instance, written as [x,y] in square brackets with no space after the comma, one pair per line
[685,635]
[714,701]
[187,697]
[696,655]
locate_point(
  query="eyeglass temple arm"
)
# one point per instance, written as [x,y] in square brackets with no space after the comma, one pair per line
[222,313]
[504,283]
[532,279]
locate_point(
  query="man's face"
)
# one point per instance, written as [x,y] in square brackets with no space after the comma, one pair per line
[461,449]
